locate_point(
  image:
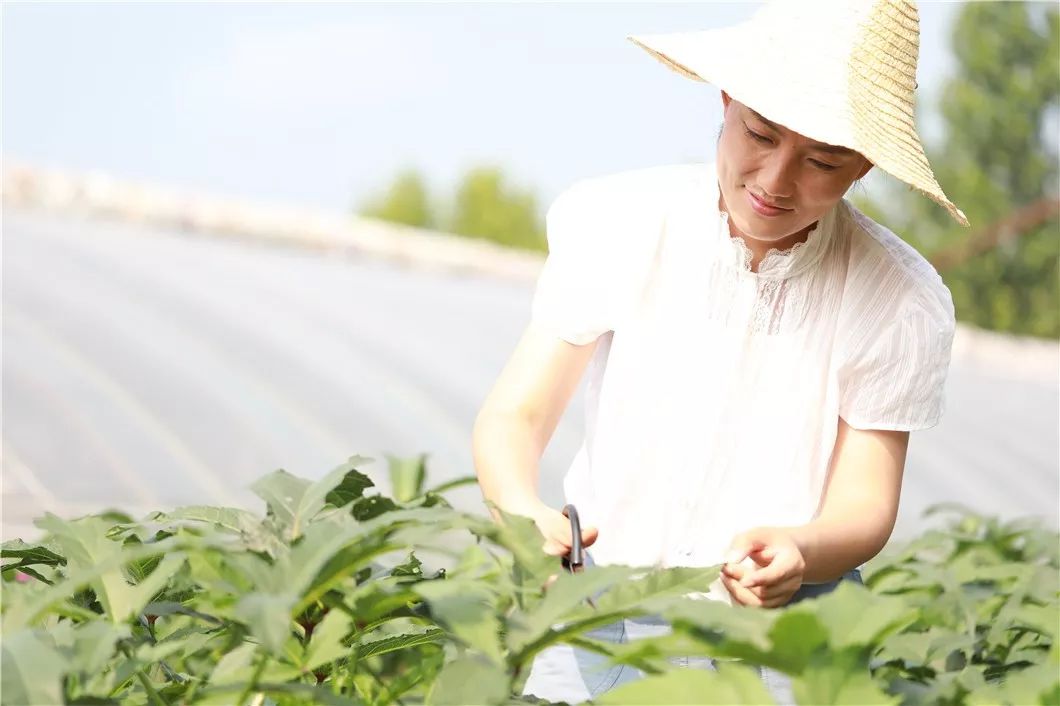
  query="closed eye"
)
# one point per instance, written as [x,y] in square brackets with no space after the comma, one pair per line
[757,137]
[821,165]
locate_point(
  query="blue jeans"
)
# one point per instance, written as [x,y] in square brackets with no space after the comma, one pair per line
[574,675]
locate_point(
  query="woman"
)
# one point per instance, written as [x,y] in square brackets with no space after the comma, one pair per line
[757,349]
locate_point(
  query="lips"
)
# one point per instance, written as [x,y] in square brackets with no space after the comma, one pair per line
[765,208]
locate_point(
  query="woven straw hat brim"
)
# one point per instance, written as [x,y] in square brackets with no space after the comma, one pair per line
[857,95]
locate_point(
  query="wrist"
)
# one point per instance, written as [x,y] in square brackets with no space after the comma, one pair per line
[523,506]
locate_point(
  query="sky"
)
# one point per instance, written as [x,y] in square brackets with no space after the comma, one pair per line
[322,104]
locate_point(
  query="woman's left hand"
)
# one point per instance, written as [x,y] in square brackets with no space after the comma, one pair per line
[779,571]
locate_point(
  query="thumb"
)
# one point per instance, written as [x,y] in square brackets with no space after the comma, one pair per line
[589,535]
[553,547]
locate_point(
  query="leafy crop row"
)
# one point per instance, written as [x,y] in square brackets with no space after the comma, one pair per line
[324,600]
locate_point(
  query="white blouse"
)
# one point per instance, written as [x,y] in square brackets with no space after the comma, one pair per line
[714,393]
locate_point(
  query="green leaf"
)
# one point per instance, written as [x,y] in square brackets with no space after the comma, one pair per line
[561,599]
[796,635]
[227,518]
[144,591]
[524,540]
[287,694]
[1042,619]
[86,545]
[407,476]
[743,631]
[412,568]
[372,506]
[283,493]
[30,572]
[469,610]
[174,608]
[31,669]
[93,645]
[326,643]
[350,488]
[633,591]
[730,684]
[235,666]
[656,588]
[331,550]
[268,616]
[294,501]
[840,677]
[650,654]
[945,644]
[403,641]
[469,680]
[912,648]
[21,613]
[29,554]
[856,617]
[455,483]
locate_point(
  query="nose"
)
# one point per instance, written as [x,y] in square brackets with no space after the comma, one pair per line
[777,175]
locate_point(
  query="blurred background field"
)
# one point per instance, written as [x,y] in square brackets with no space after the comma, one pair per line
[376,178]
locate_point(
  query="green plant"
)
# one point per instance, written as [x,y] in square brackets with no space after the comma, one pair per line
[323,599]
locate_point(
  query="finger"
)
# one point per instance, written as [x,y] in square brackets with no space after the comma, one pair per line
[554,547]
[767,552]
[776,590]
[772,596]
[779,570]
[735,571]
[783,590]
[741,595]
[744,596]
[780,600]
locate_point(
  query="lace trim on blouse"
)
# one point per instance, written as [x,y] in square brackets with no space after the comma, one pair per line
[781,299]
[776,263]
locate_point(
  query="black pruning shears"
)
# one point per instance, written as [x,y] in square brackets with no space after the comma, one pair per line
[574,561]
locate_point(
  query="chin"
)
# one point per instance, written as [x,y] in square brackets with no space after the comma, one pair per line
[767,229]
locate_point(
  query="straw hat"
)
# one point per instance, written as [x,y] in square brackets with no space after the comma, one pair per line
[843,73]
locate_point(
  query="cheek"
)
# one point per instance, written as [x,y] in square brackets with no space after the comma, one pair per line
[823,190]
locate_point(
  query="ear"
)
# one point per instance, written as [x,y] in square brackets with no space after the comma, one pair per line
[725,100]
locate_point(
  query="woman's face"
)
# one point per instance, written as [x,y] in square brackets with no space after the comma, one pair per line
[776,182]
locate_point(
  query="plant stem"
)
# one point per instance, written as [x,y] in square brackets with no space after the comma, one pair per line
[153,695]
[253,680]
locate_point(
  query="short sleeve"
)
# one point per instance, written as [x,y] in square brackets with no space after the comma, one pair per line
[897,381]
[602,234]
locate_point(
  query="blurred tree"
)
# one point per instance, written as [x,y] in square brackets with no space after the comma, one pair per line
[406,201]
[998,163]
[487,207]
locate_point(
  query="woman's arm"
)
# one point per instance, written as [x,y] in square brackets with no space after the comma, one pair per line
[856,517]
[860,503]
[516,421]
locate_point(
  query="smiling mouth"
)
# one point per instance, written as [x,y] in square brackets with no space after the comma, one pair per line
[767,204]
[765,209]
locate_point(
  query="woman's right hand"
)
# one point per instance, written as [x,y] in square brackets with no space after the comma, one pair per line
[555,528]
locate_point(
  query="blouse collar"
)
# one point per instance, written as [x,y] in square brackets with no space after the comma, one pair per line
[777,264]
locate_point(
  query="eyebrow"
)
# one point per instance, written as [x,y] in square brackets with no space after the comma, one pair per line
[819,146]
